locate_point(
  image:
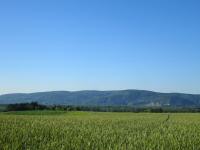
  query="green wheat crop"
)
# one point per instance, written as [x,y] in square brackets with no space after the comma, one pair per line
[99,131]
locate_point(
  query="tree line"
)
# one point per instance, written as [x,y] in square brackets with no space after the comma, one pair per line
[37,106]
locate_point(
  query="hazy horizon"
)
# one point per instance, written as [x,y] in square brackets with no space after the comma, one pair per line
[44,91]
[99,45]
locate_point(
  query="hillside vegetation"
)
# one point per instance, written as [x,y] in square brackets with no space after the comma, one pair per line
[105,98]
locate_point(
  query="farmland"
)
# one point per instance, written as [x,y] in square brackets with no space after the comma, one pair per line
[99,130]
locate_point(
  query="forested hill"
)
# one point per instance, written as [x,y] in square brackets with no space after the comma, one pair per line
[105,98]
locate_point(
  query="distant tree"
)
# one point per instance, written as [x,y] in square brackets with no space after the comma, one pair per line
[25,106]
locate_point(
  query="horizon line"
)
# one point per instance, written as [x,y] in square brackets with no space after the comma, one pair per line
[47,91]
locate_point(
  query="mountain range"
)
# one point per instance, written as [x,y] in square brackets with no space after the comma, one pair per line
[105,98]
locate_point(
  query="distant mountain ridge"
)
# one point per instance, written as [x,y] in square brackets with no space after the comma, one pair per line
[105,98]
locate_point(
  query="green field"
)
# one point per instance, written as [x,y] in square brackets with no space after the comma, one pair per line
[96,130]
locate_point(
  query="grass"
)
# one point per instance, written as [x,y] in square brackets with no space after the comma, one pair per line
[98,130]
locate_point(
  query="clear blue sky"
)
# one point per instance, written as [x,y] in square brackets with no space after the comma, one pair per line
[99,45]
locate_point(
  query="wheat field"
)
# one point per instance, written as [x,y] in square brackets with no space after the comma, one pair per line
[99,131]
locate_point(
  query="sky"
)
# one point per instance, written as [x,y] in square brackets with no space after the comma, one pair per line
[48,45]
